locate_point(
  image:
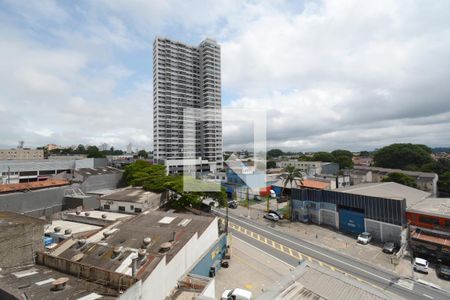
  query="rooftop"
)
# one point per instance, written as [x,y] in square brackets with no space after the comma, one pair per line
[97,171]
[314,282]
[75,228]
[8,218]
[36,283]
[387,171]
[314,184]
[97,214]
[159,233]
[27,186]
[388,190]
[427,237]
[134,194]
[439,207]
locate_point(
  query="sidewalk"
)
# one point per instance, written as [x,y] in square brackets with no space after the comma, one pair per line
[329,238]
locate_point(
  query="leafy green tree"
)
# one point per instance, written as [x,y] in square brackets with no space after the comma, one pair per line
[80,149]
[142,154]
[293,175]
[402,156]
[275,153]
[94,152]
[303,157]
[344,162]
[444,182]
[364,153]
[323,156]
[400,178]
[341,152]
[271,164]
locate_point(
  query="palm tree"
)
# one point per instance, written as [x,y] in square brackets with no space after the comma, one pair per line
[293,175]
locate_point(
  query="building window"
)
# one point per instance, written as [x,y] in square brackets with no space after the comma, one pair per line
[131,207]
[429,220]
[106,206]
[138,209]
[121,208]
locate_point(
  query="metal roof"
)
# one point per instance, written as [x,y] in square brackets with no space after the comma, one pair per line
[134,194]
[26,186]
[8,218]
[387,190]
[439,207]
[308,282]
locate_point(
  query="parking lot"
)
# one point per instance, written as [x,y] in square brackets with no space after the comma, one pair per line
[249,269]
[345,244]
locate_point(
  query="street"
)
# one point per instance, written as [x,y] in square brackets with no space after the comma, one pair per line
[291,250]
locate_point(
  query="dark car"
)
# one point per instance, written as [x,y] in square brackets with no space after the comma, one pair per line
[232,204]
[443,271]
[280,215]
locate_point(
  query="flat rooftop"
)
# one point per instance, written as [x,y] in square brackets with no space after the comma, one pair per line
[308,282]
[424,175]
[8,218]
[133,194]
[97,214]
[74,227]
[97,171]
[36,283]
[124,239]
[439,207]
[387,190]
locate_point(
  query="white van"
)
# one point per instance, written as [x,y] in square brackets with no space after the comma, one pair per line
[421,265]
[236,294]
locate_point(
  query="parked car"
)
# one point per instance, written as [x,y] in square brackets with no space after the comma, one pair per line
[236,294]
[280,215]
[421,265]
[273,194]
[364,238]
[271,216]
[389,247]
[443,271]
[232,204]
[211,202]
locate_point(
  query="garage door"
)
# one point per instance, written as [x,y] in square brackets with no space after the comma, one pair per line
[351,221]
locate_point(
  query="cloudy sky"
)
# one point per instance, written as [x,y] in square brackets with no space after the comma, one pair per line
[331,74]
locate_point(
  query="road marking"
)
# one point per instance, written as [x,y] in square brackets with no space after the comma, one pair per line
[428,296]
[310,249]
[276,258]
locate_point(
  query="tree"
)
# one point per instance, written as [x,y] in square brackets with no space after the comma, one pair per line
[323,156]
[444,182]
[341,152]
[94,152]
[271,164]
[80,149]
[364,153]
[400,178]
[275,153]
[344,162]
[142,154]
[403,156]
[292,175]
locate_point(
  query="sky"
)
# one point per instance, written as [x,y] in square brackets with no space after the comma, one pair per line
[330,74]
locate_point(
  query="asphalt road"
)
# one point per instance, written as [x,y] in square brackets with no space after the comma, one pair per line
[382,279]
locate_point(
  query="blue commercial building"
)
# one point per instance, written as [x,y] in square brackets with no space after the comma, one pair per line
[376,208]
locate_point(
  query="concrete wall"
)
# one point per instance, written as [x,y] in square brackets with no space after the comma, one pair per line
[215,253]
[18,243]
[384,232]
[99,182]
[133,292]
[35,203]
[164,277]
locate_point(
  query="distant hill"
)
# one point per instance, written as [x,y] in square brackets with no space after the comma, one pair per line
[441,149]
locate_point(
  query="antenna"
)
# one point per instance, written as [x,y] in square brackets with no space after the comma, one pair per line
[21,144]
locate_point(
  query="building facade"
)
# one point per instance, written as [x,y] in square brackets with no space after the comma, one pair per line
[187,122]
[21,154]
[310,168]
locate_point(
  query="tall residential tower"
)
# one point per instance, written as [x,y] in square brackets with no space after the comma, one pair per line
[187,121]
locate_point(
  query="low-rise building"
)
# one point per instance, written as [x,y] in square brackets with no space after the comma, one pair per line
[378,208]
[143,257]
[131,200]
[309,281]
[20,238]
[425,181]
[310,168]
[362,161]
[429,222]
[21,154]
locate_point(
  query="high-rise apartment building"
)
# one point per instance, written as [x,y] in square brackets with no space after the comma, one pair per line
[187,121]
